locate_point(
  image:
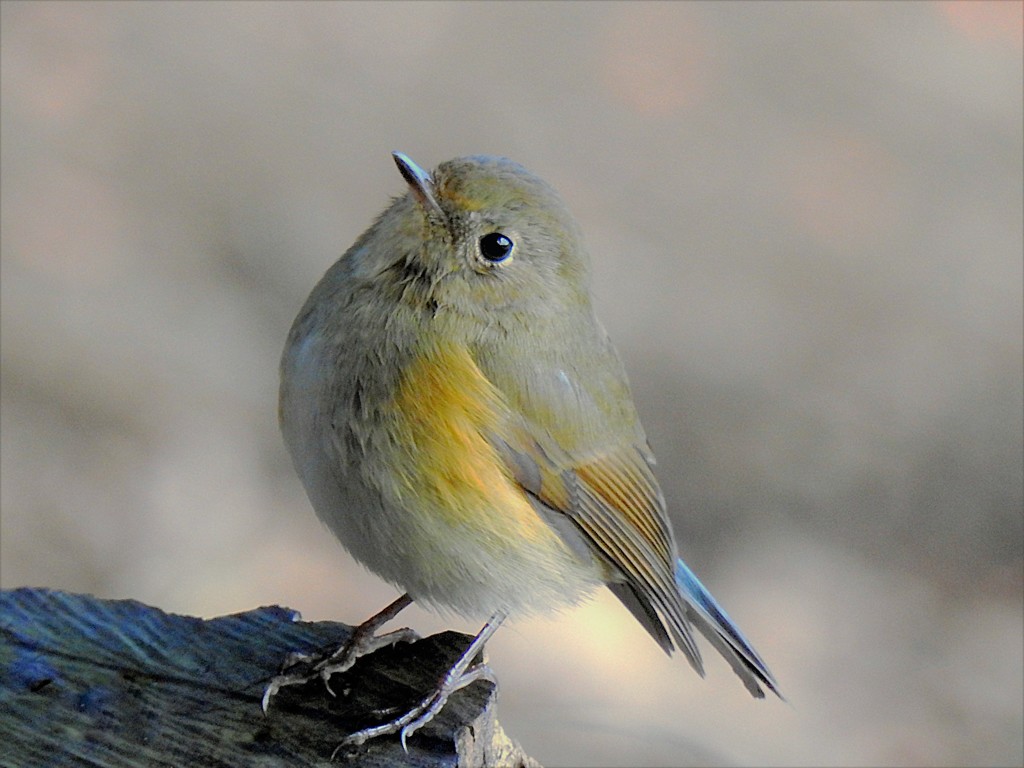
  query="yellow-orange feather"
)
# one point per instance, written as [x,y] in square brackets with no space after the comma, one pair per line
[445,407]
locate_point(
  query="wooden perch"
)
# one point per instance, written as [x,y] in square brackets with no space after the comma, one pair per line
[110,683]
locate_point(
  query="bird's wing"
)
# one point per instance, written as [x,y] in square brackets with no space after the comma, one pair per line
[571,439]
[612,501]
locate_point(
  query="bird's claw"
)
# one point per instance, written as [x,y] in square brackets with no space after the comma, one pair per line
[341,660]
[406,725]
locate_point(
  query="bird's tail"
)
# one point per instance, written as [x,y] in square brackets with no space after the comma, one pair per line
[718,628]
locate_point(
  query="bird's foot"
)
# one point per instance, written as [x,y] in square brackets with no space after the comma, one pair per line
[463,672]
[301,668]
[426,710]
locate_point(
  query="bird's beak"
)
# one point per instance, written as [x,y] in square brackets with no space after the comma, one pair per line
[419,182]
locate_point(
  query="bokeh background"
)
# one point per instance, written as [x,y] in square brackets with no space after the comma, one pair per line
[806,226]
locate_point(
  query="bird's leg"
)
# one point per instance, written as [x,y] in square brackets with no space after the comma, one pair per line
[461,674]
[364,640]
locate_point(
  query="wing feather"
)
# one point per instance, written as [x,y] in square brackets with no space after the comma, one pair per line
[604,501]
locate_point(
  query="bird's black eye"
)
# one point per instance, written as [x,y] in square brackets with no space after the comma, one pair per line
[496,247]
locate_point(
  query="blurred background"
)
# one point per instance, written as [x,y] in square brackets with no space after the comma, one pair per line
[806,227]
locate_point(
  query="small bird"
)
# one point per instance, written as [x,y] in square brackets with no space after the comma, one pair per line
[462,423]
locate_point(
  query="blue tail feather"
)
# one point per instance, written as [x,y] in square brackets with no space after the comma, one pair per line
[715,624]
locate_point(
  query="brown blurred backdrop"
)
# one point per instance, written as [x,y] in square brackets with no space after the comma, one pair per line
[806,226]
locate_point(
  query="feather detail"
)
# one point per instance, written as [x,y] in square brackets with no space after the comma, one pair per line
[614,501]
[715,624]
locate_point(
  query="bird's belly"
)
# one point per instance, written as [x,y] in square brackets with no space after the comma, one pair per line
[472,569]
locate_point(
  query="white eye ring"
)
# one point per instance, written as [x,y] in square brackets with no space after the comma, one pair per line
[496,248]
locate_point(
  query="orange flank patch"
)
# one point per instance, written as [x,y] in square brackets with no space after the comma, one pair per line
[446,406]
